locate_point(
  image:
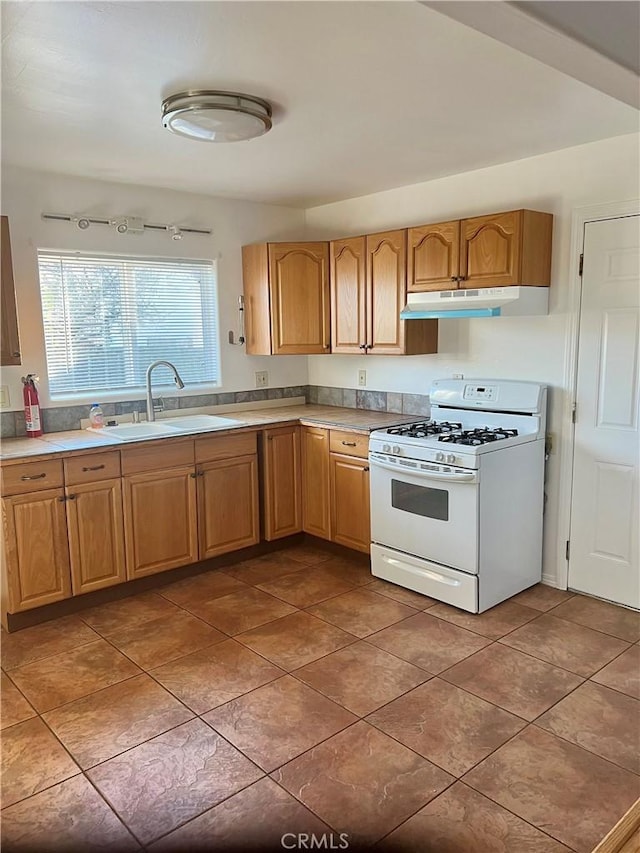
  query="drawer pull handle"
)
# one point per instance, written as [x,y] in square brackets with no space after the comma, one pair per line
[93,468]
[35,477]
[349,443]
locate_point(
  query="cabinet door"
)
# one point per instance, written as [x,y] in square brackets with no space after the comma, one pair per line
[316,517]
[36,549]
[348,295]
[386,290]
[490,250]
[160,520]
[350,523]
[9,340]
[96,535]
[433,257]
[299,288]
[282,498]
[228,505]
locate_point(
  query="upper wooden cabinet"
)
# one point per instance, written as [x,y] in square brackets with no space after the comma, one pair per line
[368,291]
[433,259]
[9,340]
[498,250]
[348,295]
[286,296]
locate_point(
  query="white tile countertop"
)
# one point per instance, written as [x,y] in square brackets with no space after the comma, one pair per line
[57,443]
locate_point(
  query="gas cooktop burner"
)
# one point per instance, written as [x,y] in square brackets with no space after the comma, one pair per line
[424,429]
[483,435]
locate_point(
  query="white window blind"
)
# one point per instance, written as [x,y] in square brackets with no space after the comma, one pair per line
[107,318]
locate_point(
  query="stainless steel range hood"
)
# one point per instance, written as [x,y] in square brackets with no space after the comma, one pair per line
[484,302]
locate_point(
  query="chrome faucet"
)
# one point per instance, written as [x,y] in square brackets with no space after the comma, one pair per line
[151,415]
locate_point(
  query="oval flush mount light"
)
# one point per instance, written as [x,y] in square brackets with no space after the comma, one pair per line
[212,116]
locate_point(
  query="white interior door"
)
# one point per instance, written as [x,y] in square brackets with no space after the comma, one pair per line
[604,512]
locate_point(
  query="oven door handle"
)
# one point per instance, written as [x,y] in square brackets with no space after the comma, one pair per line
[422,573]
[454,477]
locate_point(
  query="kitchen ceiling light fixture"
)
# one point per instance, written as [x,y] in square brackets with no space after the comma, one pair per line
[213,116]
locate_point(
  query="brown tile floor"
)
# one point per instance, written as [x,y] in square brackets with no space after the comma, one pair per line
[294,693]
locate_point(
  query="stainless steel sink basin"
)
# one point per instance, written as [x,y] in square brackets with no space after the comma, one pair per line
[134,432]
[199,423]
[168,426]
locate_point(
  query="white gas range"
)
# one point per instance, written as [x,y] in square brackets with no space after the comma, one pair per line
[457,501]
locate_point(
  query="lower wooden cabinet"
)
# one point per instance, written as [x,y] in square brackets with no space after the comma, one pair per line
[76,525]
[96,535]
[335,486]
[228,514]
[160,520]
[36,549]
[281,478]
[350,524]
[316,518]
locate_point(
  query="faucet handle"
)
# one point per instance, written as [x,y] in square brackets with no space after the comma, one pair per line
[158,405]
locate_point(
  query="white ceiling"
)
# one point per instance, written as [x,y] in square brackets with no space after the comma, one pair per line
[367,95]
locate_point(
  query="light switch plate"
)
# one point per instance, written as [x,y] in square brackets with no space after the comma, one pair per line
[5,400]
[362,378]
[262,378]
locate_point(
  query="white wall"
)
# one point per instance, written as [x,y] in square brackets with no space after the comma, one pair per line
[26,195]
[513,348]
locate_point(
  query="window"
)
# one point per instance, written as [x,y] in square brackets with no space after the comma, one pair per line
[107,318]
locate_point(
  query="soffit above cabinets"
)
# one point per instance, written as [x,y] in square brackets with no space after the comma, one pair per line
[367,96]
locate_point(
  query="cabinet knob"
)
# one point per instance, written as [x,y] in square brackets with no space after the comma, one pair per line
[16,354]
[366,469]
[362,346]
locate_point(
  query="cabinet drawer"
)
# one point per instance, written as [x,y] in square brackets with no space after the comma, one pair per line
[350,443]
[214,447]
[156,456]
[90,469]
[31,477]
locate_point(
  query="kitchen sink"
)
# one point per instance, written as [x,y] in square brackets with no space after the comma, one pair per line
[134,432]
[197,423]
[168,426]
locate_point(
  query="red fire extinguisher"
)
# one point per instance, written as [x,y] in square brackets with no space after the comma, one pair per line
[31,406]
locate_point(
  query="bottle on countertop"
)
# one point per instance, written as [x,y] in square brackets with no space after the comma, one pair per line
[96,416]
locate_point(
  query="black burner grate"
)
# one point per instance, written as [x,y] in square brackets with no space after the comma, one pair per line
[424,429]
[482,435]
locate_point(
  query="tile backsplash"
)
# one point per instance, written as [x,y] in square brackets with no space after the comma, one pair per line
[68,417]
[376,401]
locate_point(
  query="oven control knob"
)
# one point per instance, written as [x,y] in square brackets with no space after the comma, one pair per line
[439,456]
[396,449]
[386,448]
[451,458]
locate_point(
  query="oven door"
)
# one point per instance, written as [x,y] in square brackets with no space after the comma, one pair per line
[430,511]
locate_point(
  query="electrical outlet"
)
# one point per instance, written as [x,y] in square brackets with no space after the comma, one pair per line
[262,378]
[457,376]
[362,378]
[5,400]
[549,443]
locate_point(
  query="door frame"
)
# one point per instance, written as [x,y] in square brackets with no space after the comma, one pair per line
[579,218]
